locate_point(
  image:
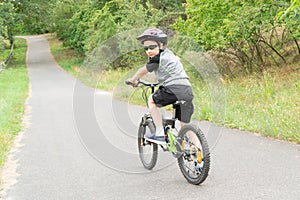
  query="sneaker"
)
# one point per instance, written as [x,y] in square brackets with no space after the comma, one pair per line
[153,137]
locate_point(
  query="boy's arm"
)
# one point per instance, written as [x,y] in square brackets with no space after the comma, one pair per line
[139,74]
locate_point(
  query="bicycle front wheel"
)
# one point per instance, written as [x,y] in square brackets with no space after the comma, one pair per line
[147,150]
[195,160]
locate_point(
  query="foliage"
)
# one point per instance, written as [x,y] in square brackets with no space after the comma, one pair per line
[64,10]
[94,23]
[121,17]
[291,19]
[242,36]
[35,16]
[78,26]
[171,10]
[7,20]
[293,10]
[26,16]
[245,33]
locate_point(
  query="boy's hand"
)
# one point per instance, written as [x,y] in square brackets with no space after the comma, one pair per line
[133,83]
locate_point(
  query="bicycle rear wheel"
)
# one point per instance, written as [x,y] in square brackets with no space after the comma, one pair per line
[195,160]
[147,150]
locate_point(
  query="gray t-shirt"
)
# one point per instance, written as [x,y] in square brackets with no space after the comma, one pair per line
[168,69]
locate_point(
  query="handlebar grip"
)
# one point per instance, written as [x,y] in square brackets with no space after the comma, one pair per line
[130,83]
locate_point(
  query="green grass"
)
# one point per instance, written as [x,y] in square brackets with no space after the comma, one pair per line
[13,93]
[268,104]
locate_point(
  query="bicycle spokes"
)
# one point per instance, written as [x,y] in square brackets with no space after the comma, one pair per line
[195,162]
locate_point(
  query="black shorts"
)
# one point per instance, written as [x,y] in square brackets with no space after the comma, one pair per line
[166,95]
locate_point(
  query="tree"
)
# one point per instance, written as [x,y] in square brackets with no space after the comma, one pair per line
[116,17]
[290,19]
[7,20]
[35,16]
[244,32]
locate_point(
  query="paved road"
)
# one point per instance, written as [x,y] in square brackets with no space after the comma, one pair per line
[81,145]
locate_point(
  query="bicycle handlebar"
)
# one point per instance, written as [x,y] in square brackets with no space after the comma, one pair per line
[145,83]
[148,85]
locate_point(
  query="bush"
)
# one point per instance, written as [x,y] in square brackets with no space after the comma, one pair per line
[2,44]
[245,33]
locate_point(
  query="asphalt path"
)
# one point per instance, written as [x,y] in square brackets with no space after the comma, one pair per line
[81,144]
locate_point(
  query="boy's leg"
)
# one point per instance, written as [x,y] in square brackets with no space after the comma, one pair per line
[160,98]
[156,116]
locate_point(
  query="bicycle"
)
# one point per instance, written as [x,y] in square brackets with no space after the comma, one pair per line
[188,145]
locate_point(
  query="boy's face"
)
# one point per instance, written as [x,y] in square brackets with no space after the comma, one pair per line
[151,48]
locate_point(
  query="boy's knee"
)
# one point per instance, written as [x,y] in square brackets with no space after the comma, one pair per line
[150,100]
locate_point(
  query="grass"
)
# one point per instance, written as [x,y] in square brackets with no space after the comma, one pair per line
[13,93]
[268,104]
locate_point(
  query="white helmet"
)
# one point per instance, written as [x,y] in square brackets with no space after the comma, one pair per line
[154,34]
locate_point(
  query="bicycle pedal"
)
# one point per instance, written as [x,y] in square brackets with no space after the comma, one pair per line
[146,143]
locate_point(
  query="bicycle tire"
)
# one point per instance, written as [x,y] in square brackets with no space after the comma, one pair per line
[198,173]
[151,151]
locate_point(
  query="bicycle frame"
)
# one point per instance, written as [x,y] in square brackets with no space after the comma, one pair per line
[168,124]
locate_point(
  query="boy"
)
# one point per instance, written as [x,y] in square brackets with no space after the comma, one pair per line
[174,83]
